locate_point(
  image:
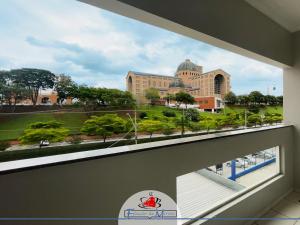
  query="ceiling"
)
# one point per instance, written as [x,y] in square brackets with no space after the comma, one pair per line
[284,12]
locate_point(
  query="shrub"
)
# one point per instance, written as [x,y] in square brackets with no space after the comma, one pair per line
[143,115]
[159,118]
[104,126]
[4,145]
[168,129]
[192,115]
[32,136]
[169,113]
[254,108]
[150,126]
[254,120]
[195,127]
[49,124]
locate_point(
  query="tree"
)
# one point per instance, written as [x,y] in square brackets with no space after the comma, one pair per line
[279,100]
[150,126]
[254,119]
[231,120]
[32,136]
[168,128]
[152,94]
[104,126]
[169,113]
[206,122]
[91,96]
[10,92]
[50,124]
[40,131]
[65,87]
[192,115]
[185,98]
[169,97]
[87,96]
[243,99]
[270,100]
[33,80]
[230,98]
[115,97]
[256,97]
[14,93]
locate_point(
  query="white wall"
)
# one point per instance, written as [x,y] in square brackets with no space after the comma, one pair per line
[291,106]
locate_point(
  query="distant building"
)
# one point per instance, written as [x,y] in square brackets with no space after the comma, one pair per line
[208,89]
[46,97]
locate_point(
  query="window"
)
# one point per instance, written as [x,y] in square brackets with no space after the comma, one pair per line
[213,186]
[99,81]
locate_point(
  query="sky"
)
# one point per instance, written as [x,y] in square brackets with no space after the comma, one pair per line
[97,47]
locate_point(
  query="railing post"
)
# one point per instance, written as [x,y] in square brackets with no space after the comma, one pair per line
[233,170]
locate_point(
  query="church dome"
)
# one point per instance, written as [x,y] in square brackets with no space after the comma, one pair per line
[187,65]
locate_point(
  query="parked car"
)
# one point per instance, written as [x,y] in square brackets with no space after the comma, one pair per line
[44,143]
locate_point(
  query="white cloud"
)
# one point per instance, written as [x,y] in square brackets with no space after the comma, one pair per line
[118,43]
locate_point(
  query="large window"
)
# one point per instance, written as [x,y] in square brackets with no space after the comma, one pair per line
[71,83]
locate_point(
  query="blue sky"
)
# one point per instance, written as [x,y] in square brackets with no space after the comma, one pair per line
[97,47]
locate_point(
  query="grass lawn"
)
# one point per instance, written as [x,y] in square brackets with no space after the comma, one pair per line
[12,126]
[269,109]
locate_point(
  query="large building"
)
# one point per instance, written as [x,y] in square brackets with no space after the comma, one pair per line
[208,89]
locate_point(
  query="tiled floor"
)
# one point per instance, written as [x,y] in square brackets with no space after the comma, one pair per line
[287,208]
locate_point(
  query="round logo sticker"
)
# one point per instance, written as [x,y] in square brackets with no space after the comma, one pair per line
[149,207]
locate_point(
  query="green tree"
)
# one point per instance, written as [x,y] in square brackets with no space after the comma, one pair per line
[192,115]
[270,100]
[279,100]
[87,96]
[168,128]
[40,131]
[232,120]
[33,80]
[254,119]
[104,126]
[115,97]
[10,92]
[14,93]
[256,97]
[150,126]
[206,122]
[169,113]
[152,94]
[243,100]
[32,136]
[169,97]
[230,98]
[185,98]
[49,124]
[65,87]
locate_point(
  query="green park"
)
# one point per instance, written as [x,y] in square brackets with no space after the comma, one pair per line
[110,115]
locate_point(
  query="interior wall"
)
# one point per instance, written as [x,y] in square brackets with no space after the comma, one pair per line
[232,24]
[291,106]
